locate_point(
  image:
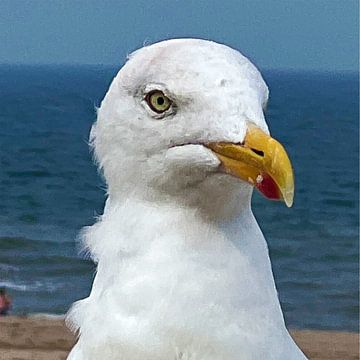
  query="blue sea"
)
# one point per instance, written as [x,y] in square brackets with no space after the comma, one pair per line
[50,189]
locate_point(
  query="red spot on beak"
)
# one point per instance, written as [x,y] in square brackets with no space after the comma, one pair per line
[267,186]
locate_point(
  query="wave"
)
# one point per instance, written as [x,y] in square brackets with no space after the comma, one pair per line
[12,286]
[48,316]
[7,268]
[35,286]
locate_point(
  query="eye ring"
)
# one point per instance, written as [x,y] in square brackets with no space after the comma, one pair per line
[158,101]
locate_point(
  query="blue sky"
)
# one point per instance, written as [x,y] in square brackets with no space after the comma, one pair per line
[280,34]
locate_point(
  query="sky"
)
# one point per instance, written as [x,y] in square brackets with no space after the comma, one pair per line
[275,34]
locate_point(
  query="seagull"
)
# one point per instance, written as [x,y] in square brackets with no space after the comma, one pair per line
[183,270]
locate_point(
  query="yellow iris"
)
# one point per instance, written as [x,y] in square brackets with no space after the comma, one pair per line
[158,102]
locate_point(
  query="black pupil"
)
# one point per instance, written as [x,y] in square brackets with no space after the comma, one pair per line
[160,100]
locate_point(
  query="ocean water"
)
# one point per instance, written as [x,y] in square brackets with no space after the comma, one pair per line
[50,189]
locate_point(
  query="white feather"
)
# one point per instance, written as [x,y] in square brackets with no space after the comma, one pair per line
[183,270]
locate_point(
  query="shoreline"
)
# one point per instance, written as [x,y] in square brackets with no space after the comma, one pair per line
[45,337]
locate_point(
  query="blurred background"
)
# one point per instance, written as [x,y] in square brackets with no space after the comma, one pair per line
[57,59]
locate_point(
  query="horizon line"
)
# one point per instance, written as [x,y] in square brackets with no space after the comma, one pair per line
[119,65]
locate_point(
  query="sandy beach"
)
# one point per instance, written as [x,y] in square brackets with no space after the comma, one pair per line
[41,338]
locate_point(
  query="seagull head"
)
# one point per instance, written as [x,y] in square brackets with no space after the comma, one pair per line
[187,114]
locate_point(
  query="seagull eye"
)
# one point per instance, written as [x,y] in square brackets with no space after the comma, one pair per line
[157,101]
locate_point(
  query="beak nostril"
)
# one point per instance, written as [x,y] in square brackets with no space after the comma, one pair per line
[258,152]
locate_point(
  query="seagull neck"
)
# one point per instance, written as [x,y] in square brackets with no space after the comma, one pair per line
[169,220]
[224,203]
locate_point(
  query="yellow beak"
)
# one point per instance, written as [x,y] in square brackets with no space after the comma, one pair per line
[261,161]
